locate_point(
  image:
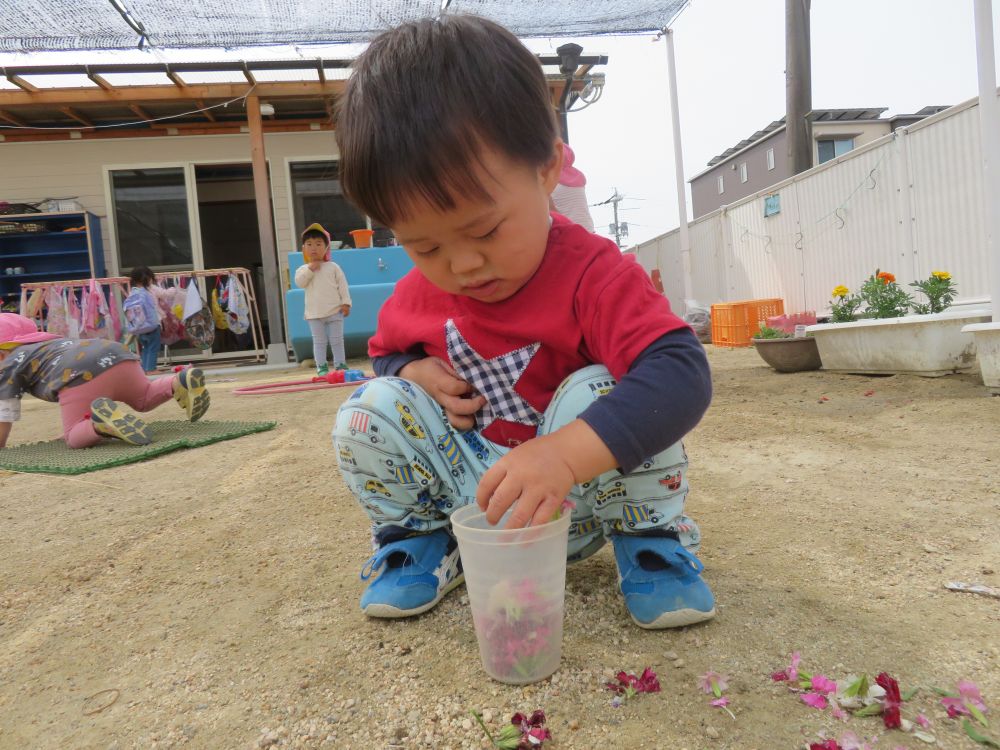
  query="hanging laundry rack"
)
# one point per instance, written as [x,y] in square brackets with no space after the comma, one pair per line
[243,275]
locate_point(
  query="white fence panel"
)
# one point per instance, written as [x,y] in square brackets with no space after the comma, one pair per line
[949,230]
[765,259]
[849,222]
[909,203]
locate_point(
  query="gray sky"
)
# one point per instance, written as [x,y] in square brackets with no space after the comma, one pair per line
[900,54]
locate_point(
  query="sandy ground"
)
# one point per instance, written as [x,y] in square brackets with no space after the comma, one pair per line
[213,593]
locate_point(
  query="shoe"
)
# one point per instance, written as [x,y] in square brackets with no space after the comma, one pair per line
[661,582]
[416,574]
[341,366]
[190,392]
[322,371]
[110,420]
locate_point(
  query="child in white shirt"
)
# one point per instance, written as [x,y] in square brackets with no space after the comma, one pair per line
[328,300]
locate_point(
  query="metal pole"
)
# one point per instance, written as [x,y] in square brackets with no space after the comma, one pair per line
[682,211]
[989,132]
[798,85]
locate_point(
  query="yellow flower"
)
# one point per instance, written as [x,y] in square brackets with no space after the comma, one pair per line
[943,275]
[841,291]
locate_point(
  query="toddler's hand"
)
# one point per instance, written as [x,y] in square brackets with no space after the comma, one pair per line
[444,385]
[345,310]
[314,266]
[535,477]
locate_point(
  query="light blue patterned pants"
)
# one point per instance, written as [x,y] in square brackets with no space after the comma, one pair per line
[409,468]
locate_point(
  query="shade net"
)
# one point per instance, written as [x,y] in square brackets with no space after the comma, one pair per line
[51,25]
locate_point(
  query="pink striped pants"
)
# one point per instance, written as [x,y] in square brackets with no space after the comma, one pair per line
[124,382]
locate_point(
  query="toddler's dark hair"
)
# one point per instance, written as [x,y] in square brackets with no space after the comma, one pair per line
[314,234]
[423,100]
[141,276]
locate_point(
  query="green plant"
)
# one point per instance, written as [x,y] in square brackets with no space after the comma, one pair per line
[884,297]
[772,333]
[939,288]
[845,305]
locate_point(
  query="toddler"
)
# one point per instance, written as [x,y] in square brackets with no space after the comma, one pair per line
[87,378]
[524,360]
[328,300]
[142,317]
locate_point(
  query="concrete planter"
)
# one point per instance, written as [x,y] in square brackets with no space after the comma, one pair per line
[789,355]
[987,337]
[928,345]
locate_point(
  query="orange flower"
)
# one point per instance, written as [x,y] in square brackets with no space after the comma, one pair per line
[886,277]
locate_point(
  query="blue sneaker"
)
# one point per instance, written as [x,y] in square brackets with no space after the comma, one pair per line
[661,582]
[418,572]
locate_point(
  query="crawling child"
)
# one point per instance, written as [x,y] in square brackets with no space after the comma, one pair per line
[89,379]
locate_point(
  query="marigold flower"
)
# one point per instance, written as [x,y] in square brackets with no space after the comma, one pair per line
[841,291]
[943,275]
[886,277]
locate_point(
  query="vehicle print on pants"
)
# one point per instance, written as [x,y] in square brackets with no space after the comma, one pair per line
[636,513]
[408,423]
[615,491]
[672,481]
[361,423]
[476,444]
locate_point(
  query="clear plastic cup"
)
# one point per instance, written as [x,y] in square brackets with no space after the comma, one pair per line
[516,581]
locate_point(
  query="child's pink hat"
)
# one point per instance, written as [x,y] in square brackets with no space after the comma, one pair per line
[317,227]
[17,329]
[570,175]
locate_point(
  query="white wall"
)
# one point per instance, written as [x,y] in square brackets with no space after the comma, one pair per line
[909,203]
[30,172]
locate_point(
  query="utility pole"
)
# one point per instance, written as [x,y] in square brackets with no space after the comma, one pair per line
[618,229]
[798,85]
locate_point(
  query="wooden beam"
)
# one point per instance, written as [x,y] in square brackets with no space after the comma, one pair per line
[207,114]
[74,115]
[204,129]
[13,120]
[178,81]
[21,83]
[140,94]
[249,76]
[265,225]
[140,112]
[102,82]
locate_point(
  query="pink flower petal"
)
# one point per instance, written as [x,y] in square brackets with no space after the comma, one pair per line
[821,684]
[923,721]
[955,707]
[839,713]
[720,702]
[969,690]
[814,699]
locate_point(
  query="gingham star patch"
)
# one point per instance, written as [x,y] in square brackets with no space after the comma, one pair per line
[493,378]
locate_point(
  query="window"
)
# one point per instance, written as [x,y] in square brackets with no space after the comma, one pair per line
[722,184]
[770,158]
[151,218]
[317,197]
[743,172]
[831,148]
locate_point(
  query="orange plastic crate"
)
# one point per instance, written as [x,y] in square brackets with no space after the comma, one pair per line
[735,323]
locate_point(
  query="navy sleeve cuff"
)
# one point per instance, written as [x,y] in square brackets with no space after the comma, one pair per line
[391,364]
[664,395]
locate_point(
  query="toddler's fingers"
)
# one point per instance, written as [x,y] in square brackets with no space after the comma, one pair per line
[545,511]
[524,509]
[459,421]
[488,485]
[463,406]
[453,386]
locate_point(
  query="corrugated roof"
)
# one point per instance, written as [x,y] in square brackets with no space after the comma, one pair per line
[817,115]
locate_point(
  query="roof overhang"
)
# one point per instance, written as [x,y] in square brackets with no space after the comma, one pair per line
[59,102]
